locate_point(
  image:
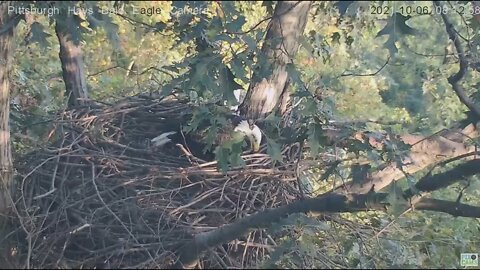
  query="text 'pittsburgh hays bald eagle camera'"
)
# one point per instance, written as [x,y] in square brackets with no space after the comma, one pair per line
[236,129]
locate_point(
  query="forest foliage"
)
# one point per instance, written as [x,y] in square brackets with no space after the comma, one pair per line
[371,71]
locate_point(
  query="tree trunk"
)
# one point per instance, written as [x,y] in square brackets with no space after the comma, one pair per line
[6,52]
[280,46]
[71,57]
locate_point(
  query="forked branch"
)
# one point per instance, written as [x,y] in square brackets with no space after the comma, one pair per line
[455,79]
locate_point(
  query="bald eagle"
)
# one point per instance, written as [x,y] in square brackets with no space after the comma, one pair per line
[202,139]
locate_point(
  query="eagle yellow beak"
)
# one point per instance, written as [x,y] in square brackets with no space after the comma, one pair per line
[254,144]
[252,132]
[255,138]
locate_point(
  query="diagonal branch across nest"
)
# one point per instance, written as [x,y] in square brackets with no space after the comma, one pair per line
[99,195]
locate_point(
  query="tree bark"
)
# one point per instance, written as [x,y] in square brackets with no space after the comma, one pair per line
[336,203]
[280,47]
[6,53]
[71,57]
[424,152]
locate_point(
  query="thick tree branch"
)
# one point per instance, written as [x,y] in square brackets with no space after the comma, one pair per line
[438,181]
[455,79]
[430,183]
[449,207]
[328,203]
[333,202]
[424,152]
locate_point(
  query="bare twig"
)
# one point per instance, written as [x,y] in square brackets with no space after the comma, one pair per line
[367,74]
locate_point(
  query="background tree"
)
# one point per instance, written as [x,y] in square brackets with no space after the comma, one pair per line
[280,47]
[71,57]
[352,105]
[7,24]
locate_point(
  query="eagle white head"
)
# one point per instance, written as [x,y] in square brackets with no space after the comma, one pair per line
[252,132]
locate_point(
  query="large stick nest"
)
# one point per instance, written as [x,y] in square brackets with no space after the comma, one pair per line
[101,196]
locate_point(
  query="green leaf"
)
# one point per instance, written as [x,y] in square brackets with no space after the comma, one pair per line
[37,34]
[229,153]
[274,150]
[199,115]
[294,74]
[73,25]
[236,25]
[229,8]
[396,27]
[112,33]
[238,69]
[201,69]
[269,5]
[237,138]
[359,173]
[236,154]
[251,43]
[227,85]
[211,135]
[221,155]
[314,138]
[193,4]
[411,181]
[226,38]
[264,67]
[168,88]
[98,19]
[306,45]
[330,170]
[215,26]
[171,68]
[397,204]
[273,119]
